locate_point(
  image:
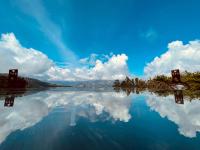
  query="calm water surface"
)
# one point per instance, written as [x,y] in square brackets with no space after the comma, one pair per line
[88,120]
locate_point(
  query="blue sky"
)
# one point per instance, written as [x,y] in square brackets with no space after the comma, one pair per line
[66,30]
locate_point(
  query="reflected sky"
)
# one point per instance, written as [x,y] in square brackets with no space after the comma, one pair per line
[29,110]
[186,116]
[106,119]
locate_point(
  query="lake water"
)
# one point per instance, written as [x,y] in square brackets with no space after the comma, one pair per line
[106,120]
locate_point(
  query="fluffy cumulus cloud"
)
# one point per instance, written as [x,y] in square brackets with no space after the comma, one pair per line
[27,60]
[178,55]
[33,62]
[115,67]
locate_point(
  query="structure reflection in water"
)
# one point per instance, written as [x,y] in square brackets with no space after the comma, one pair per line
[178,95]
[10,95]
[9,101]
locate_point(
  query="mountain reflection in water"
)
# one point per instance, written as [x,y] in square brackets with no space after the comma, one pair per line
[29,110]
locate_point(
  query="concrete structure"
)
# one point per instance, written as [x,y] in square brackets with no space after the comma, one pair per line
[176,76]
[13,74]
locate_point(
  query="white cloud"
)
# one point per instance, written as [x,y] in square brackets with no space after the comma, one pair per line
[33,62]
[114,68]
[178,55]
[27,60]
[186,116]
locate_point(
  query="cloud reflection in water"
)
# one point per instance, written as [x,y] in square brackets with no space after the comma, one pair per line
[29,110]
[186,116]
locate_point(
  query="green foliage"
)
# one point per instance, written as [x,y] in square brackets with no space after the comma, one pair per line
[162,82]
[187,76]
[191,79]
[162,78]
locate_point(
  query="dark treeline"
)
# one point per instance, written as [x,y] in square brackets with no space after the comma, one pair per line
[130,83]
[19,82]
[134,85]
[22,82]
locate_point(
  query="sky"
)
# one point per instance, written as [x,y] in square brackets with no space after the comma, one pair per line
[99,39]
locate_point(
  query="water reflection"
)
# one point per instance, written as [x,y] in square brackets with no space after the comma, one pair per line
[128,91]
[95,106]
[186,116]
[178,96]
[29,110]
[9,96]
[182,110]
[9,101]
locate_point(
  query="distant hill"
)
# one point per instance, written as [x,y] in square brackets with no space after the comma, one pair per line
[88,85]
[29,82]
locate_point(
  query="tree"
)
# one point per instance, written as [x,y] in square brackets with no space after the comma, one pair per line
[116,83]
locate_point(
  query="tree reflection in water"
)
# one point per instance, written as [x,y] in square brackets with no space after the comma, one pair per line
[128,91]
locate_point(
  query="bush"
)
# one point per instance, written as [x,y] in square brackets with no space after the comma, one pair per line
[162,78]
